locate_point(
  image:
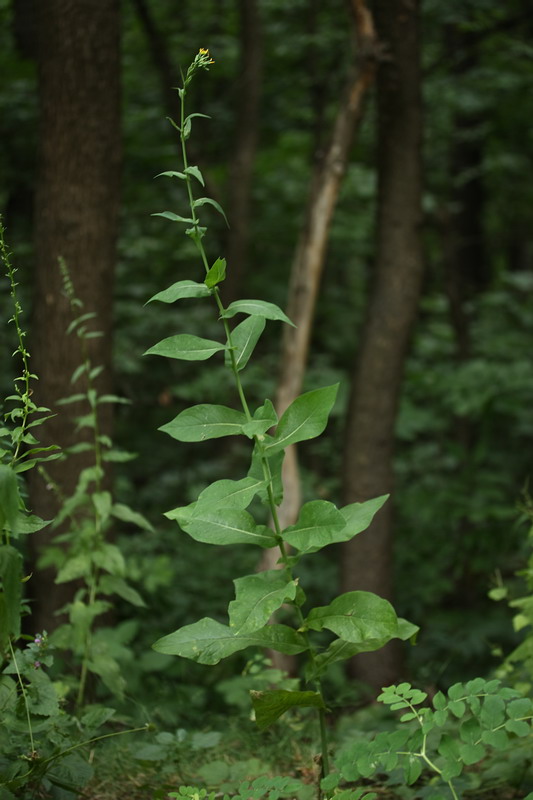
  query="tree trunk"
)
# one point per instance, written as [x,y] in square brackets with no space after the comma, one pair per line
[310,254]
[376,386]
[76,217]
[309,261]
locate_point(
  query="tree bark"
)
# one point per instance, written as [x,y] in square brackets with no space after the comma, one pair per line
[369,442]
[76,217]
[309,259]
[310,254]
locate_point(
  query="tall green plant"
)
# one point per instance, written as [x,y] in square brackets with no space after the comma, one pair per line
[83,551]
[360,621]
[19,451]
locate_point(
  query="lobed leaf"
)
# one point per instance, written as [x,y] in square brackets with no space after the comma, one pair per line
[208,641]
[257,597]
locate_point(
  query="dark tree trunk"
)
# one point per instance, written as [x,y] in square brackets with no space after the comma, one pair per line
[76,217]
[377,380]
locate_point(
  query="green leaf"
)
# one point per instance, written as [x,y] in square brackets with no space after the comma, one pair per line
[208,641]
[112,584]
[126,514]
[102,502]
[264,418]
[223,526]
[269,706]
[356,617]
[244,338]
[203,201]
[497,739]
[358,516]
[171,174]
[257,308]
[30,524]
[78,566]
[9,498]
[180,291]
[458,708]
[205,421]
[256,471]
[216,273]
[196,173]
[339,650]
[521,707]
[10,594]
[412,769]
[471,753]
[316,527]
[257,597]
[174,217]
[304,419]
[518,727]
[229,494]
[186,347]
[492,712]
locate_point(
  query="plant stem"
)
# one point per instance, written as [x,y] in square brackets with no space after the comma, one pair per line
[24,697]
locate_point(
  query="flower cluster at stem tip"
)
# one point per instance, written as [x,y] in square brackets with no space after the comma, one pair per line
[202,60]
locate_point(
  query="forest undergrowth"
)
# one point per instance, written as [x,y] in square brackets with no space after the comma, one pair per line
[87,711]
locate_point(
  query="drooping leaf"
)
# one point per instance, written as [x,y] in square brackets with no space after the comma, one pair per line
[126,514]
[257,308]
[186,347]
[112,584]
[257,597]
[203,201]
[356,617]
[192,170]
[180,291]
[304,419]
[316,527]
[244,338]
[340,650]
[171,174]
[269,706]
[208,641]
[216,273]
[205,421]
[174,217]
